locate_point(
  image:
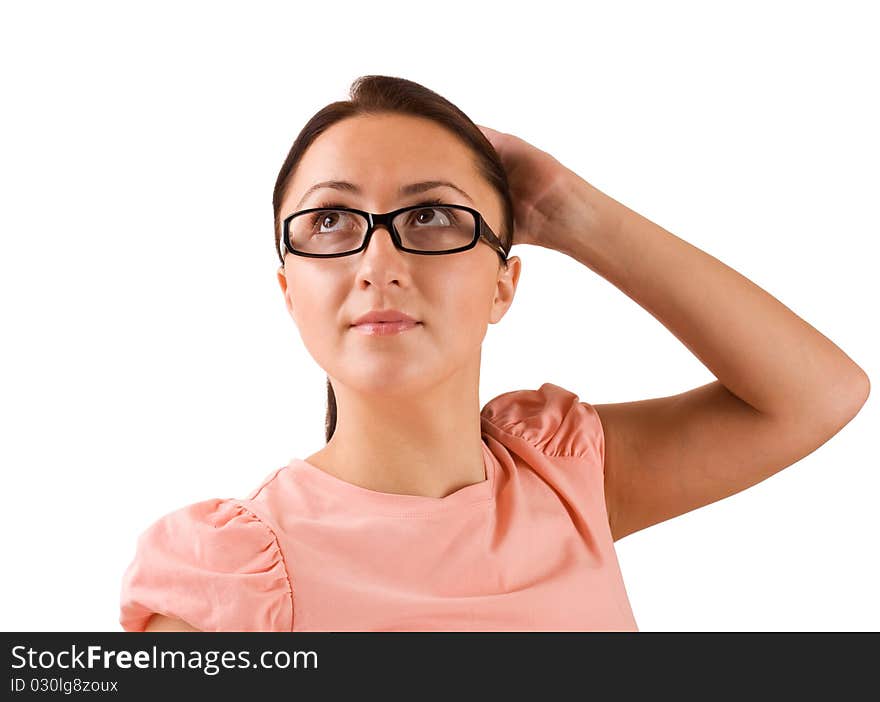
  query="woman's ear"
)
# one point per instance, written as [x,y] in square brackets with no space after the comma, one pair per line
[282,281]
[505,289]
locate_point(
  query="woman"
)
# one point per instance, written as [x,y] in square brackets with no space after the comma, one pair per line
[422,511]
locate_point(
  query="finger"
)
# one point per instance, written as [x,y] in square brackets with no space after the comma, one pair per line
[493,138]
[489,132]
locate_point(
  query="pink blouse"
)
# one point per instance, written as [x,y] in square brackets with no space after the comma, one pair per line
[527,549]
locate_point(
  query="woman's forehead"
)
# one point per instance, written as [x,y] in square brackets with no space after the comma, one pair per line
[386,189]
[384,159]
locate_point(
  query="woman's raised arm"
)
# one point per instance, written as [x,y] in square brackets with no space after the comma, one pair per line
[783,388]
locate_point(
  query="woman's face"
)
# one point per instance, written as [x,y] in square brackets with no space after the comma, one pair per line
[454,296]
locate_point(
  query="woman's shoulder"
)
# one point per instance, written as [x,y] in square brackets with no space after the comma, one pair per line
[216,522]
[552,419]
[214,564]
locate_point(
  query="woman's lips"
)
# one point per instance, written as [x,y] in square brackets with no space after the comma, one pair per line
[384,328]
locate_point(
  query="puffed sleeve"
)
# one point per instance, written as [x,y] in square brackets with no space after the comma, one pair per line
[215,565]
[552,419]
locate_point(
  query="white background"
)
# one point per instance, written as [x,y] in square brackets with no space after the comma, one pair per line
[149,361]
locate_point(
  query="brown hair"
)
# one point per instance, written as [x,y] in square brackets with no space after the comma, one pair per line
[374,95]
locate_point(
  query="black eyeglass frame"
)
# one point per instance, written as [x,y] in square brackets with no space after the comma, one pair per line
[481,230]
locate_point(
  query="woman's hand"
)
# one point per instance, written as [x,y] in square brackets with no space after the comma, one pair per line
[551,203]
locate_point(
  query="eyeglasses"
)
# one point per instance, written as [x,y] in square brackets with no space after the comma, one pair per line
[427,229]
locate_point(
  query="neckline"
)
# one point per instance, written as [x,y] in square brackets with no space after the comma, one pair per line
[395,504]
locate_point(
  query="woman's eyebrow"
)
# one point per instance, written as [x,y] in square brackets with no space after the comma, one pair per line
[411,189]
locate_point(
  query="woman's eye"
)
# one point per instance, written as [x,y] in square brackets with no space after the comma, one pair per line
[432,215]
[329,220]
[435,216]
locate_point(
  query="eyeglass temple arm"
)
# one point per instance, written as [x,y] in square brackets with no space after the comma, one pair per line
[494,240]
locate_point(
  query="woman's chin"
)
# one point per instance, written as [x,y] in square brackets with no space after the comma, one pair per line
[386,379]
